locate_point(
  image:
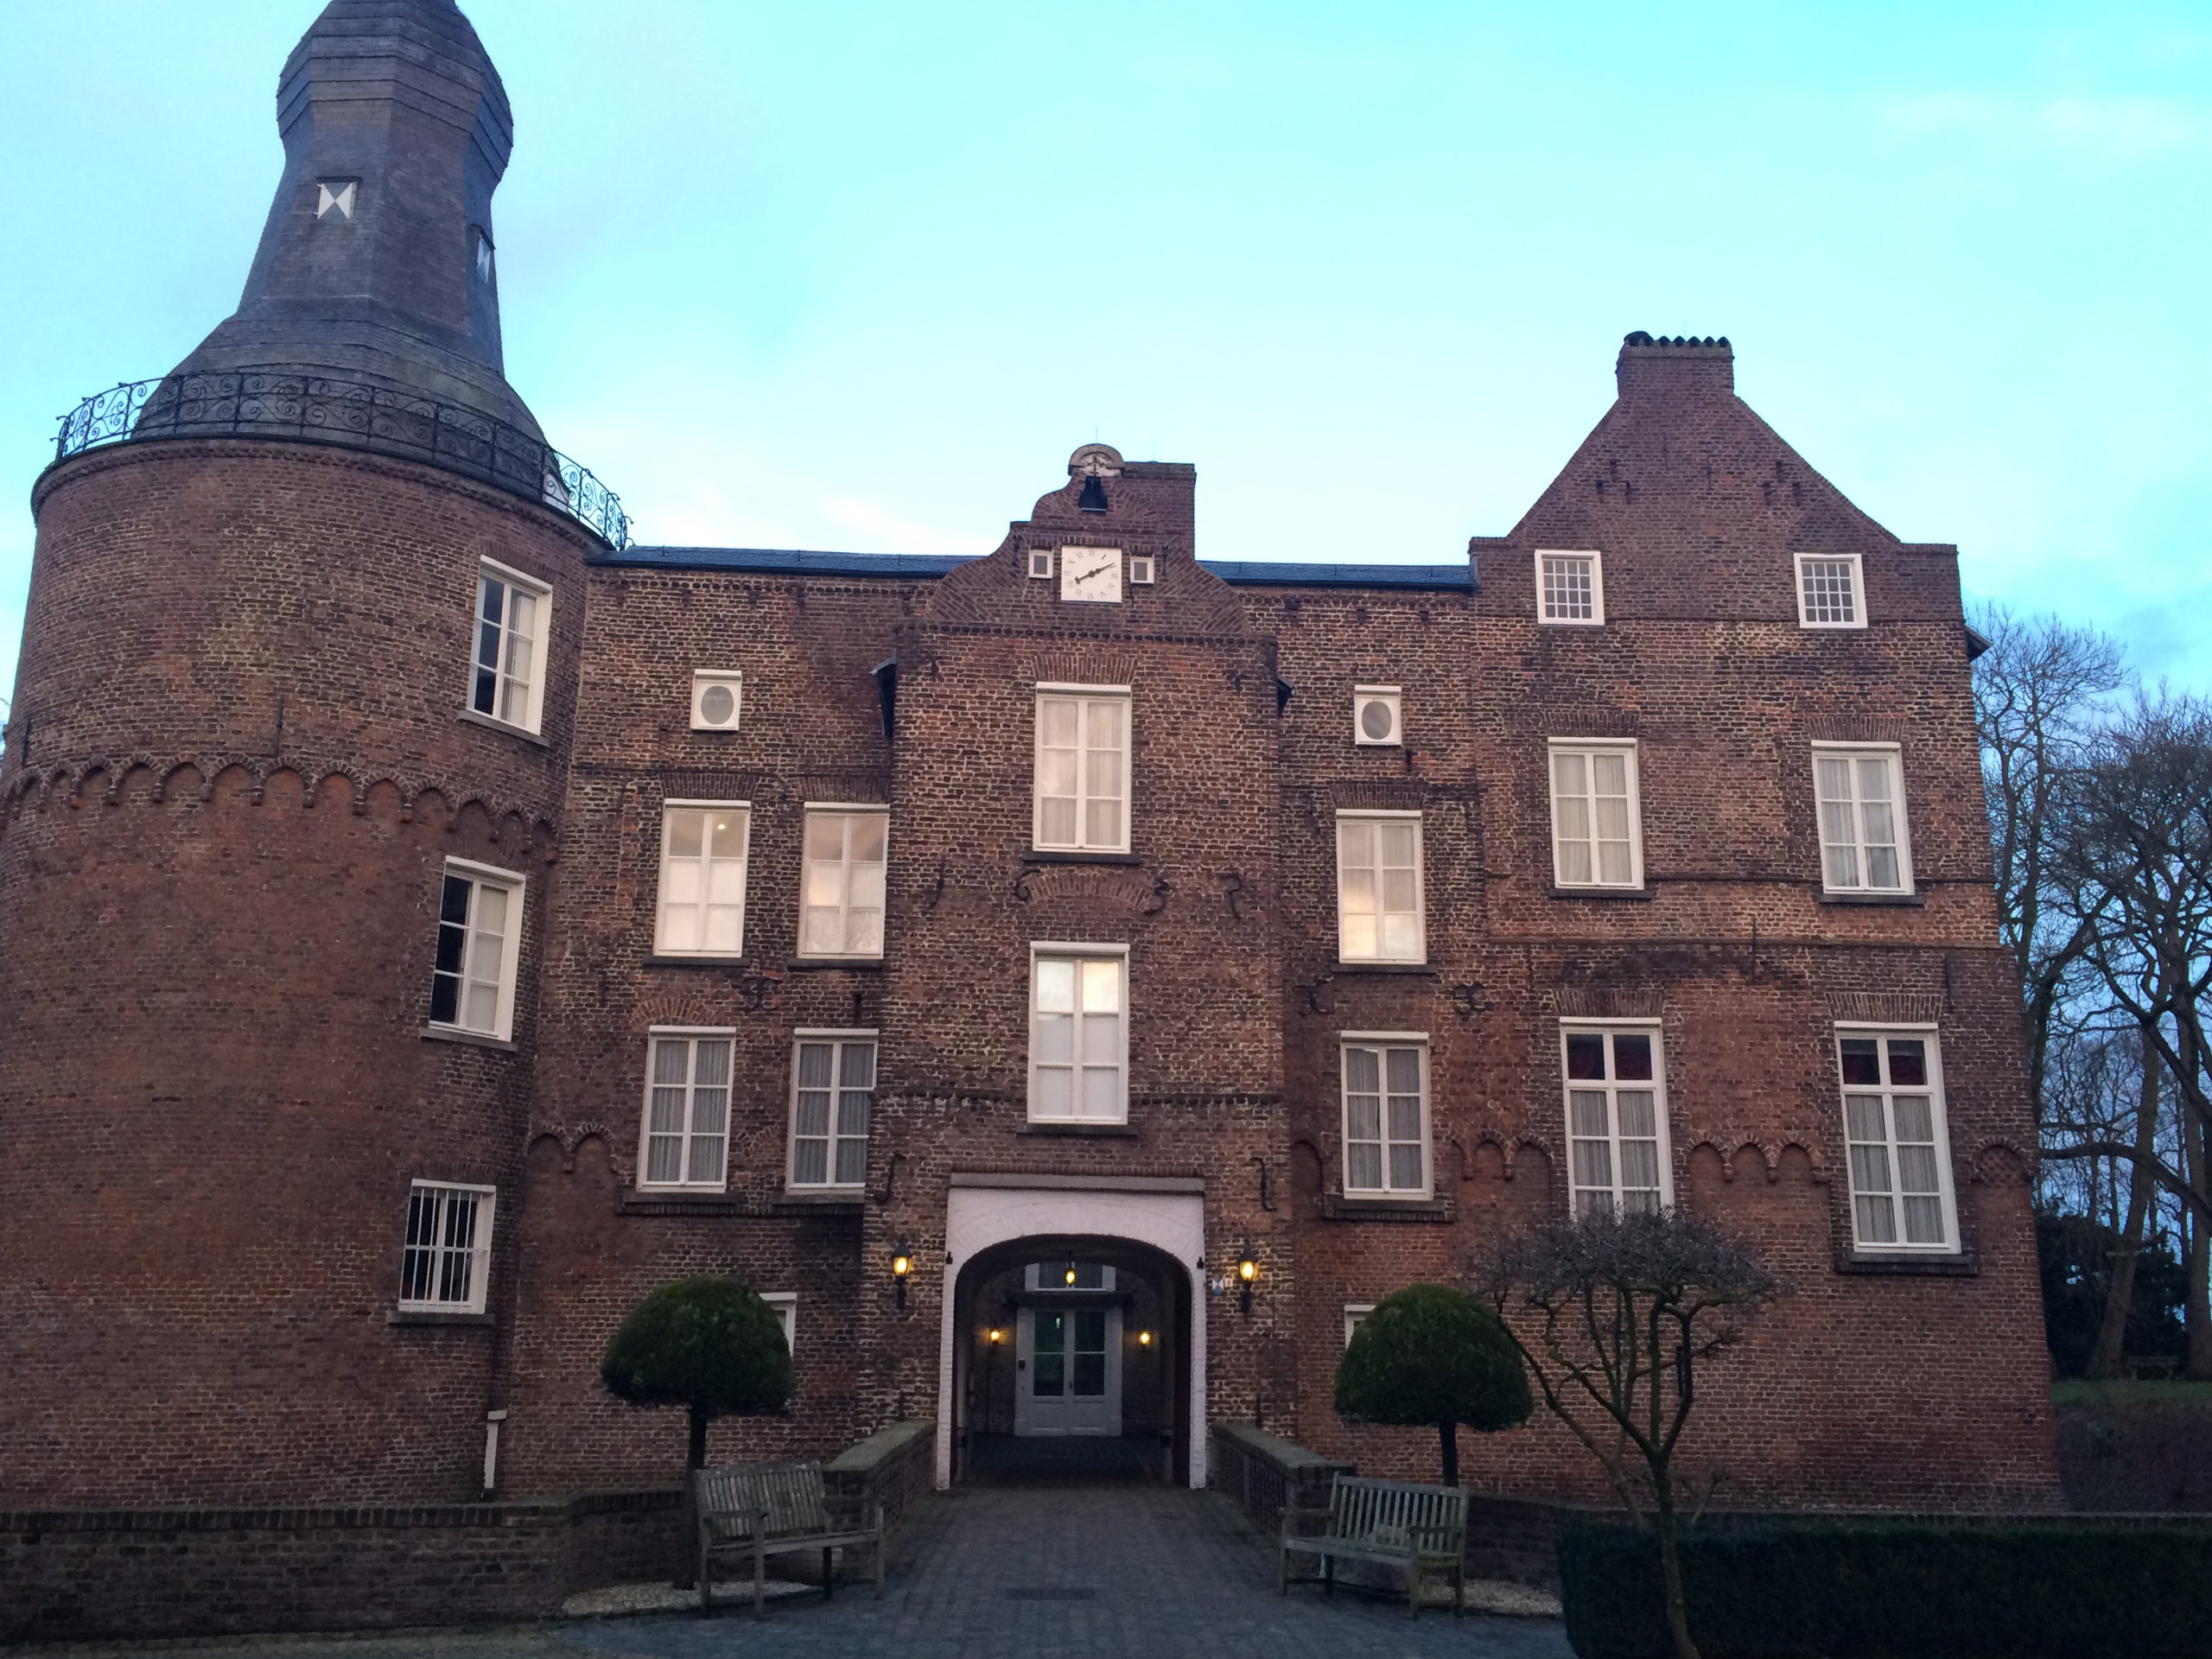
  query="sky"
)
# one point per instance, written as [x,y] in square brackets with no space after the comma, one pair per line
[860,275]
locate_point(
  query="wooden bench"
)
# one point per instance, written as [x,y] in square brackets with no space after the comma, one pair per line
[760,1509]
[1416,1528]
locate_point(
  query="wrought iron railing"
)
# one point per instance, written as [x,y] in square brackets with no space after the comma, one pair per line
[328,408]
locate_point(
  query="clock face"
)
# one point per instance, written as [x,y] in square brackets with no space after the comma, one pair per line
[1091,573]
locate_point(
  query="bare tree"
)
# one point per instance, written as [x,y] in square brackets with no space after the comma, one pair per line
[2137,870]
[2041,693]
[1624,1308]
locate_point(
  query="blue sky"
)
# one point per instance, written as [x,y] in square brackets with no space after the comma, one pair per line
[860,275]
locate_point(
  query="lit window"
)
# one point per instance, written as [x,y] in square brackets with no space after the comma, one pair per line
[1861,800]
[703,851]
[1379,887]
[1354,1314]
[833,1091]
[1083,770]
[1827,592]
[1570,587]
[1595,833]
[1616,1120]
[480,938]
[1079,1036]
[511,613]
[1899,1154]
[447,1258]
[1386,1117]
[686,1135]
[784,1304]
[840,898]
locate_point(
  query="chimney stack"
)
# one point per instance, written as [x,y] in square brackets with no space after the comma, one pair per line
[1676,368]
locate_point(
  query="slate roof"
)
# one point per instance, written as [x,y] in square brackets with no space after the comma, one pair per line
[786,561]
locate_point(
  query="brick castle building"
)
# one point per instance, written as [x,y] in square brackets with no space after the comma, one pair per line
[430,920]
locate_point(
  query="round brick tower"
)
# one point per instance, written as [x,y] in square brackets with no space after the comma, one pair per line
[277,821]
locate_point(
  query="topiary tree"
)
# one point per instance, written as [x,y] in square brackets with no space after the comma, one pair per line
[1432,1356]
[708,1344]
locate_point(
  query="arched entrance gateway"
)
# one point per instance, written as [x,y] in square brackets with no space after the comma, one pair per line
[1070,1315]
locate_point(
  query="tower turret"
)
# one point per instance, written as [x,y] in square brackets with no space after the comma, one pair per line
[377,259]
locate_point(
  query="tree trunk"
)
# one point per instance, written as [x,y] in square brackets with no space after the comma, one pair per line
[2197,1315]
[2110,1354]
[1450,1432]
[687,1551]
[1670,1569]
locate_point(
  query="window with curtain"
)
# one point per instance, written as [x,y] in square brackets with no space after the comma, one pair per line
[1083,773]
[686,1138]
[1900,1160]
[841,889]
[1860,796]
[1596,838]
[1616,1120]
[1379,888]
[702,855]
[1386,1118]
[1079,1039]
[833,1095]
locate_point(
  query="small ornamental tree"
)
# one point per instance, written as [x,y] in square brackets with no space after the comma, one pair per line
[708,1344]
[1617,1312]
[1430,1355]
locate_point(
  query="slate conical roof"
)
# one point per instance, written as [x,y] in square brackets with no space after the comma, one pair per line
[377,262]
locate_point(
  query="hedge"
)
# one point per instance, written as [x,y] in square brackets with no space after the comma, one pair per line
[1870,1588]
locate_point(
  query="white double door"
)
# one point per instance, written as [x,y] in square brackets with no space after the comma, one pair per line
[1068,1370]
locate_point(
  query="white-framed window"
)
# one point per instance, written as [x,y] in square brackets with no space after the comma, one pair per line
[717,699]
[1040,564]
[833,1095]
[1860,789]
[1379,887]
[1570,587]
[1830,592]
[1386,1114]
[1597,828]
[480,942]
[446,1262]
[685,1138]
[513,612]
[1899,1148]
[784,1304]
[1618,1157]
[702,854]
[1375,711]
[1078,1033]
[841,887]
[1354,1313]
[1083,769]
[1142,568]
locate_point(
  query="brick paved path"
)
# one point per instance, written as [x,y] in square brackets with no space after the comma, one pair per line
[1030,1573]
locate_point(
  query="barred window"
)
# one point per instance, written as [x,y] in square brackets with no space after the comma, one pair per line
[445,1262]
[833,1095]
[686,1134]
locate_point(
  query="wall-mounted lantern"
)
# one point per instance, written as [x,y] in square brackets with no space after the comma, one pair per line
[1144,1339]
[902,1265]
[1247,1269]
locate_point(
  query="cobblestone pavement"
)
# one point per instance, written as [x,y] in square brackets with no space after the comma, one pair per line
[1039,1573]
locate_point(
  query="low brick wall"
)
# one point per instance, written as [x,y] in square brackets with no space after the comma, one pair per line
[85,1574]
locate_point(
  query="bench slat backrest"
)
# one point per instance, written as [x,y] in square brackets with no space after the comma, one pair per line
[789,1493]
[1361,1510]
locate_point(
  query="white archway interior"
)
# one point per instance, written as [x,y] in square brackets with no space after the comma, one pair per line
[983,1211]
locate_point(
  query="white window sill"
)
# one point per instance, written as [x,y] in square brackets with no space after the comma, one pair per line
[1865,896]
[1379,966]
[460,1316]
[472,1038]
[1598,890]
[804,963]
[491,723]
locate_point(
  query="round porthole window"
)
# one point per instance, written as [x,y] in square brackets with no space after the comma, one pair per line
[716,703]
